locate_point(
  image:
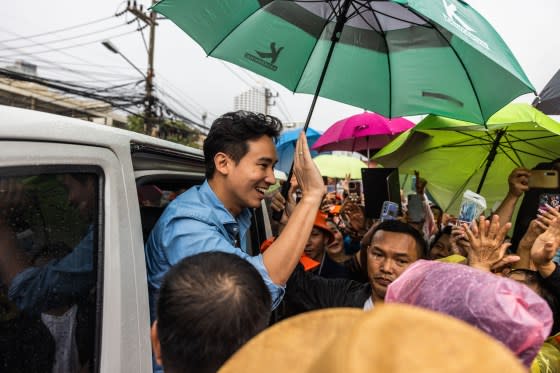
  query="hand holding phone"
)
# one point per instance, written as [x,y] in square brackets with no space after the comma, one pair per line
[389,211]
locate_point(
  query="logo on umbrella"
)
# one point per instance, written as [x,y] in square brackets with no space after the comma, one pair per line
[452,17]
[272,55]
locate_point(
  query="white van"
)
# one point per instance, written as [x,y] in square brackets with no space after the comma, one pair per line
[77,201]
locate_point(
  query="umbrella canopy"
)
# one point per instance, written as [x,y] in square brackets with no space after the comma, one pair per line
[549,100]
[286,145]
[454,155]
[361,132]
[397,57]
[339,166]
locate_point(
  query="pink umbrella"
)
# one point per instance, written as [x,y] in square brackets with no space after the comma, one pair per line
[361,132]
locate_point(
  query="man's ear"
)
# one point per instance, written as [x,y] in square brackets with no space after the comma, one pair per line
[222,162]
[156,346]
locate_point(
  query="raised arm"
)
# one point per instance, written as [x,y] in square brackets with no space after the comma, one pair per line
[547,243]
[518,182]
[487,247]
[282,256]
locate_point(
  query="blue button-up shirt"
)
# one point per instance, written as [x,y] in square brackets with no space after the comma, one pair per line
[195,222]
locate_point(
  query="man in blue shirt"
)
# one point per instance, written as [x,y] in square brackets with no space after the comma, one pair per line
[240,156]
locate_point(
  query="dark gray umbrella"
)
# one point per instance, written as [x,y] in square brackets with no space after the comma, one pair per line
[549,100]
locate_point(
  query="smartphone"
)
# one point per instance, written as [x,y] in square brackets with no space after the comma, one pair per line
[546,179]
[355,187]
[551,199]
[415,210]
[413,183]
[389,211]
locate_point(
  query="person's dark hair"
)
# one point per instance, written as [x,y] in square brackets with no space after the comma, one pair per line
[209,305]
[445,231]
[436,207]
[230,132]
[398,226]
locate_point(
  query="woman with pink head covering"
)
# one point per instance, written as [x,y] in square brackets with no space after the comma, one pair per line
[505,309]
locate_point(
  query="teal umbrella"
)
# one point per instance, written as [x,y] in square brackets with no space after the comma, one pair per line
[454,155]
[395,58]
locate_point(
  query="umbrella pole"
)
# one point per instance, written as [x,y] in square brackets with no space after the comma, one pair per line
[335,37]
[490,159]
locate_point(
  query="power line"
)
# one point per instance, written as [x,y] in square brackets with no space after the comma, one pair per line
[140,28]
[182,94]
[59,30]
[49,62]
[179,103]
[282,105]
[75,45]
[89,64]
[237,75]
[56,41]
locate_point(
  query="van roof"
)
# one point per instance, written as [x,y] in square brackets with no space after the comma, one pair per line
[24,124]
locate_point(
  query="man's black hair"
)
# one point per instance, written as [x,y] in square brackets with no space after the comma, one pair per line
[436,207]
[446,230]
[230,132]
[398,226]
[209,305]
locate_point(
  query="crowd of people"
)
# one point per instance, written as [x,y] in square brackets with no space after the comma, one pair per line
[325,253]
[215,305]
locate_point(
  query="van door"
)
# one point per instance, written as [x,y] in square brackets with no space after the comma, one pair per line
[73,293]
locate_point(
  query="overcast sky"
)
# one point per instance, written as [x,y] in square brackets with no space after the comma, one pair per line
[530,29]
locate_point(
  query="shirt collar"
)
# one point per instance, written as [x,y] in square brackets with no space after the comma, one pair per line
[223,214]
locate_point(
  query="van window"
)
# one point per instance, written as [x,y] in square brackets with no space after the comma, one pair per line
[154,194]
[49,269]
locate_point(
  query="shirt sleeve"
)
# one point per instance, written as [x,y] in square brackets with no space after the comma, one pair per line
[57,283]
[185,237]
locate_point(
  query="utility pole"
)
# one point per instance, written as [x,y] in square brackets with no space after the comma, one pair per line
[267,100]
[149,99]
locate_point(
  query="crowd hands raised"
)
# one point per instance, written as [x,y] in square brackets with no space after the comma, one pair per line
[210,299]
[327,253]
[359,254]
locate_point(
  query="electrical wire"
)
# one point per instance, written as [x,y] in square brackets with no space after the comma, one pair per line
[140,29]
[57,31]
[36,44]
[179,92]
[282,105]
[89,64]
[75,45]
[236,74]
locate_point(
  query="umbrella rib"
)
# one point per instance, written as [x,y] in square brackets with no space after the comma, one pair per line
[476,137]
[510,145]
[551,156]
[359,13]
[427,25]
[520,163]
[315,46]
[462,187]
[536,146]
[388,58]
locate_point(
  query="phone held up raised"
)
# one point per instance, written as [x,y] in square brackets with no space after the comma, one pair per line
[389,211]
[545,179]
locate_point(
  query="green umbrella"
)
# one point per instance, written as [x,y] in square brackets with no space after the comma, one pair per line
[454,155]
[397,57]
[339,166]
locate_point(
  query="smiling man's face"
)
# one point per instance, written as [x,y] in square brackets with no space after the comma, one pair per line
[248,180]
[388,255]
